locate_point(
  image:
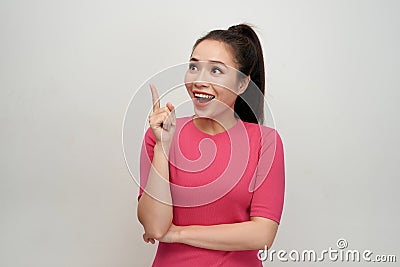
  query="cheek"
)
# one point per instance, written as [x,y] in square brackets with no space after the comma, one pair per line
[229,82]
[226,95]
[189,87]
[189,77]
[188,82]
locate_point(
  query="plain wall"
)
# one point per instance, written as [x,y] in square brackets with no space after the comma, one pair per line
[70,68]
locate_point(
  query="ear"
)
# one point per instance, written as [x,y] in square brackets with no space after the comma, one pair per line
[243,84]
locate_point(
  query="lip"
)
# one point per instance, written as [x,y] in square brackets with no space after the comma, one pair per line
[201,92]
[199,104]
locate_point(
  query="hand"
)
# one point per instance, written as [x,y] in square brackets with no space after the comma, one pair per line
[162,120]
[148,239]
[172,236]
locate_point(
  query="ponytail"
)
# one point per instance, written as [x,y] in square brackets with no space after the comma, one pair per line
[246,47]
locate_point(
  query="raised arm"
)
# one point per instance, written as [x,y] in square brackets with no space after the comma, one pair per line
[154,208]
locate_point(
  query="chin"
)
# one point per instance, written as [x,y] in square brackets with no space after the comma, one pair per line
[210,113]
[203,113]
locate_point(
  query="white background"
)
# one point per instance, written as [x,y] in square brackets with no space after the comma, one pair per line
[69,68]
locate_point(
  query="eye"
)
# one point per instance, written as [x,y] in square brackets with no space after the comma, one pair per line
[193,67]
[216,70]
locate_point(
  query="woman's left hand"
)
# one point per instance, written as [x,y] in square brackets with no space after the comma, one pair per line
[172,235]
[148,239]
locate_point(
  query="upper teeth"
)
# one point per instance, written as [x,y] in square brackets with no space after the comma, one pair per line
[203,95]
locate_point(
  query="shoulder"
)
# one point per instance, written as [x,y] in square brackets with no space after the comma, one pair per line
[266,135]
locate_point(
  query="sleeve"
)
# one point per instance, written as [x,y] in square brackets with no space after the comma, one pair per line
[146,158]
[268,195]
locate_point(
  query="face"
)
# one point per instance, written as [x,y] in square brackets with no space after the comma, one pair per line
[212,79]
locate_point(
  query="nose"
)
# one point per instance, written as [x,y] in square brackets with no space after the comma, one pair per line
[200,84]
[201,80]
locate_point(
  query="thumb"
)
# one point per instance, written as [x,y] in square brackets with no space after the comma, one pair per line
[170,107]
[173,115]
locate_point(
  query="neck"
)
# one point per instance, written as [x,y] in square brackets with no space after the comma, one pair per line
[216,125]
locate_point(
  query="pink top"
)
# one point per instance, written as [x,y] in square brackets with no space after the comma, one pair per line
[219,179]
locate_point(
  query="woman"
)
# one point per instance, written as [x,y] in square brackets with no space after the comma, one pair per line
[212,185]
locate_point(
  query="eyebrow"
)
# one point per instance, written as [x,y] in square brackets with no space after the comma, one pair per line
[212,61]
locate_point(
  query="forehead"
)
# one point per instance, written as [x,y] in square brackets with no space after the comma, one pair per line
[212,50]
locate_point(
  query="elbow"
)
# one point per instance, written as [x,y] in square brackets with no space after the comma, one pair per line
[266,230]
[156,232]
[152,223]
[266,238]
[153,228]
[267,244]
[264,242]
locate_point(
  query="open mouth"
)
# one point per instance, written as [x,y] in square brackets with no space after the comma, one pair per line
[203,98]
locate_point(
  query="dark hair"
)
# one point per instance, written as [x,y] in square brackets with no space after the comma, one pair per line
[246,49]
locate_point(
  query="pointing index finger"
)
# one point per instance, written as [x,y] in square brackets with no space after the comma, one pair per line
[154,95]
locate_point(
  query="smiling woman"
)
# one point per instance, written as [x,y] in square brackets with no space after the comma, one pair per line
[218,204]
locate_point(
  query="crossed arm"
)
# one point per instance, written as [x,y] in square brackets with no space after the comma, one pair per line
[250,235]
[156,218]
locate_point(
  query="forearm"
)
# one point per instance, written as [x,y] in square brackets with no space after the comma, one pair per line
[249,235]
[154,207]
